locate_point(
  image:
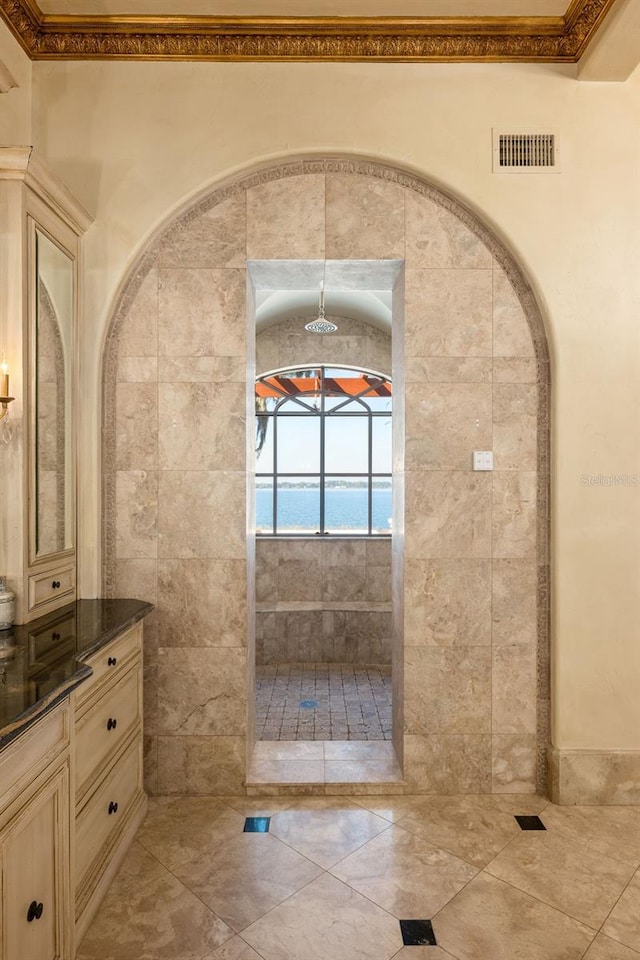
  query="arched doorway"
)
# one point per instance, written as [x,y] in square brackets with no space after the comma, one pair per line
[472,688]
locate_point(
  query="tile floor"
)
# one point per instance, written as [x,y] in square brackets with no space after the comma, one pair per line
[333,877]
[323,701]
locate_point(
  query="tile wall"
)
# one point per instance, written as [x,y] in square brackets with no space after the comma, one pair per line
[475,652]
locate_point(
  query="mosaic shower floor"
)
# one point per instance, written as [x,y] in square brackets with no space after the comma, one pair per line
[323,701]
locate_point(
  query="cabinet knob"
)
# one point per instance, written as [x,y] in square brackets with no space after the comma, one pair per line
[55,584]
[111,662]
[112,723]
[35,911]
[113,808]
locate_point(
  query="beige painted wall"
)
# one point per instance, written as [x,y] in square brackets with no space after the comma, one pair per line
[135,140]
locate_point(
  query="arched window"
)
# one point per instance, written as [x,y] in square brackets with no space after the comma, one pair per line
[323,449]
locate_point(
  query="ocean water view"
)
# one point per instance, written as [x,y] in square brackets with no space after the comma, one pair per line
[345,509]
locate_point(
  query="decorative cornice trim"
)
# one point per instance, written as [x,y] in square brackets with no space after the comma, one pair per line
[428,39]
[21,163]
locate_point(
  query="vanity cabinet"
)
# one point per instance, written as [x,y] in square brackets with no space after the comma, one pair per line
[71,782]
[34,842]
[110,802]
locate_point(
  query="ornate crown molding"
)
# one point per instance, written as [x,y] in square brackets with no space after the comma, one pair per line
[480,39]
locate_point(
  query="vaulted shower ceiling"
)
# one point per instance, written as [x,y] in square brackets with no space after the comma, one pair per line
[349,30]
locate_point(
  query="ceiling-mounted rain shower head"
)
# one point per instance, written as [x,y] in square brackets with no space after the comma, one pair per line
[321,324]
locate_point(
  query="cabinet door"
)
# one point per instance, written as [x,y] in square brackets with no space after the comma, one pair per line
[35,876]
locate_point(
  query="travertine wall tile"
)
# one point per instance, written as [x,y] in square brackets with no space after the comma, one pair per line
[445,422]
[514,527]
[203,426]
[435,238]
[514,602]
[285,219]
[447,602]
[515,414]
[138,579]
[137,426]
[215,238]
[202,313]
[203,691]
[201,765]
[201,514]
[454,511]
[364,218]
[513,690]
[344,583]
[202,603]
[448,313]
[298,580]
[511,334]
[139,333]
[513,764]
[378,553]
[137,369]
[448,690]
[137,514]
[202,369]
[377,586]
[448,369]
[516,370]
[447,764]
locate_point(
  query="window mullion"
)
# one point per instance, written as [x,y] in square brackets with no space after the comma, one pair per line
[322,450]
[275,474]
[369,479]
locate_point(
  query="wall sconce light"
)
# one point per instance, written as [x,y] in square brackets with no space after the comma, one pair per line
[5,399]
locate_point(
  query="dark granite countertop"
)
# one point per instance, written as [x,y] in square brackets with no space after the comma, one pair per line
[42,662]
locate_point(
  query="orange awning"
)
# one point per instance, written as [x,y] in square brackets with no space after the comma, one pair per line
[365,386]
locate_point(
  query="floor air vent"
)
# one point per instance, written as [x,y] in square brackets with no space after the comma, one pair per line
[525,152]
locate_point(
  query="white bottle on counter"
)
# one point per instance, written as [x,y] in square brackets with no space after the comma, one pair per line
[7,605]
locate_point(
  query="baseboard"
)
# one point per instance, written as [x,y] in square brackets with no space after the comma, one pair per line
[593,776]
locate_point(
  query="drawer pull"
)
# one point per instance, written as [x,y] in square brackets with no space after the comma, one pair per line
[55,585]
[55,636]
[113,808]
[111,662]
[112,723]
[35,911]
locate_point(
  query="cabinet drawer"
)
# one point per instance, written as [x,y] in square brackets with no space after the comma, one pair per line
[111,661]
[22,760]
[44,587]
[105,726]
[100,819]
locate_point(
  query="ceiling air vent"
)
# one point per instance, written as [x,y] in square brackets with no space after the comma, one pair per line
[526,152]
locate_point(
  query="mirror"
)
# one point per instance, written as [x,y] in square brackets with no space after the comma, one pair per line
[52,372]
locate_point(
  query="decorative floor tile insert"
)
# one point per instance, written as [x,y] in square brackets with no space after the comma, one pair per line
[530,823]
[417,933]
[323,701]
[257,824]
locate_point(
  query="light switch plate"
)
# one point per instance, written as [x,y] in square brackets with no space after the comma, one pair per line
[483,459]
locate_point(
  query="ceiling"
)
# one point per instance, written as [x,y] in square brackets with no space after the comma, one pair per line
[360,289]
[557,31]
